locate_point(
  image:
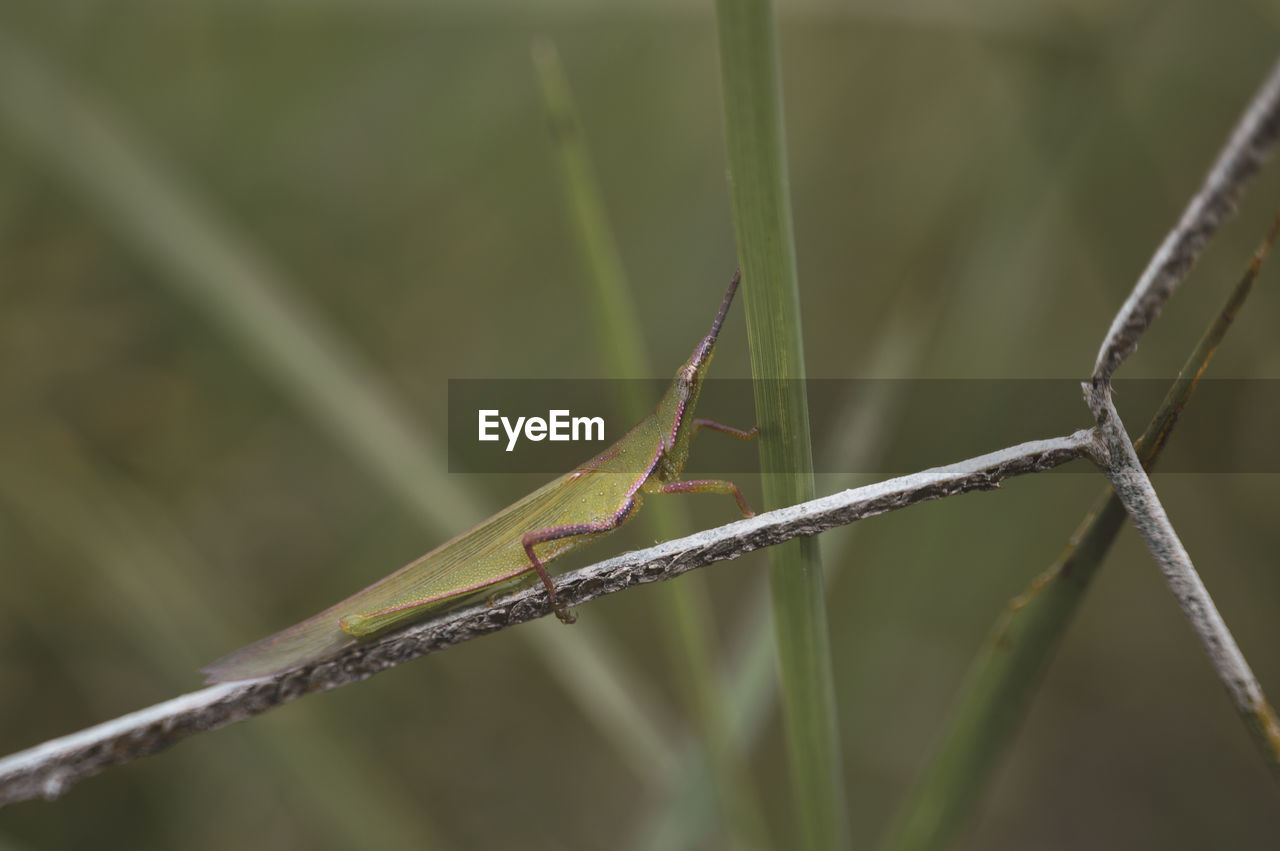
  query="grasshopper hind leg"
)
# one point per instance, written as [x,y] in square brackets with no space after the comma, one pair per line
[555,533]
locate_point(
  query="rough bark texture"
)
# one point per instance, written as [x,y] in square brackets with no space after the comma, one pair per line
[1133,487]
[48,770]
[1250,145]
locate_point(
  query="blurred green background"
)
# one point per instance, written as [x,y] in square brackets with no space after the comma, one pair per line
[975,192]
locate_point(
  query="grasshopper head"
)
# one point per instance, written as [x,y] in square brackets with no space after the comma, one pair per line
[675,411]
[689,376]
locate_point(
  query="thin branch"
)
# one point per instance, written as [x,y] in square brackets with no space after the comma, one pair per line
[201,257]
[1133,487]
[690,642]
[1008,671]
[48,770]
[1250,144]
[756,156]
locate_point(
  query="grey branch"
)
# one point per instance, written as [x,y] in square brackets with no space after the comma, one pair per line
[1250,144]
[50,769]
[1134,488]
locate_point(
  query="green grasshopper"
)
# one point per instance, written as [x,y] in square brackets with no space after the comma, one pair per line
[574,509]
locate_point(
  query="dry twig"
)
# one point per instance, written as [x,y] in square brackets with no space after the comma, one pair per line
[1251,143]
[1132,485]
[50,769]
[1249,146]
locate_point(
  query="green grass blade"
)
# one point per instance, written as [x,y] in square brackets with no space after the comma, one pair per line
[613,310]
[205,260]
[691,643]
[861,437]
[762,223]
[591,667]
[1013,662]
[138,554]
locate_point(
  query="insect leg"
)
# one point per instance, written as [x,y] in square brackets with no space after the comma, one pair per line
[707,486]
[555,533]
[739,434]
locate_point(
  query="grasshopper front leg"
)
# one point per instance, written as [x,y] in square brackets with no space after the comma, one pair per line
[736,433]
[712,485]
